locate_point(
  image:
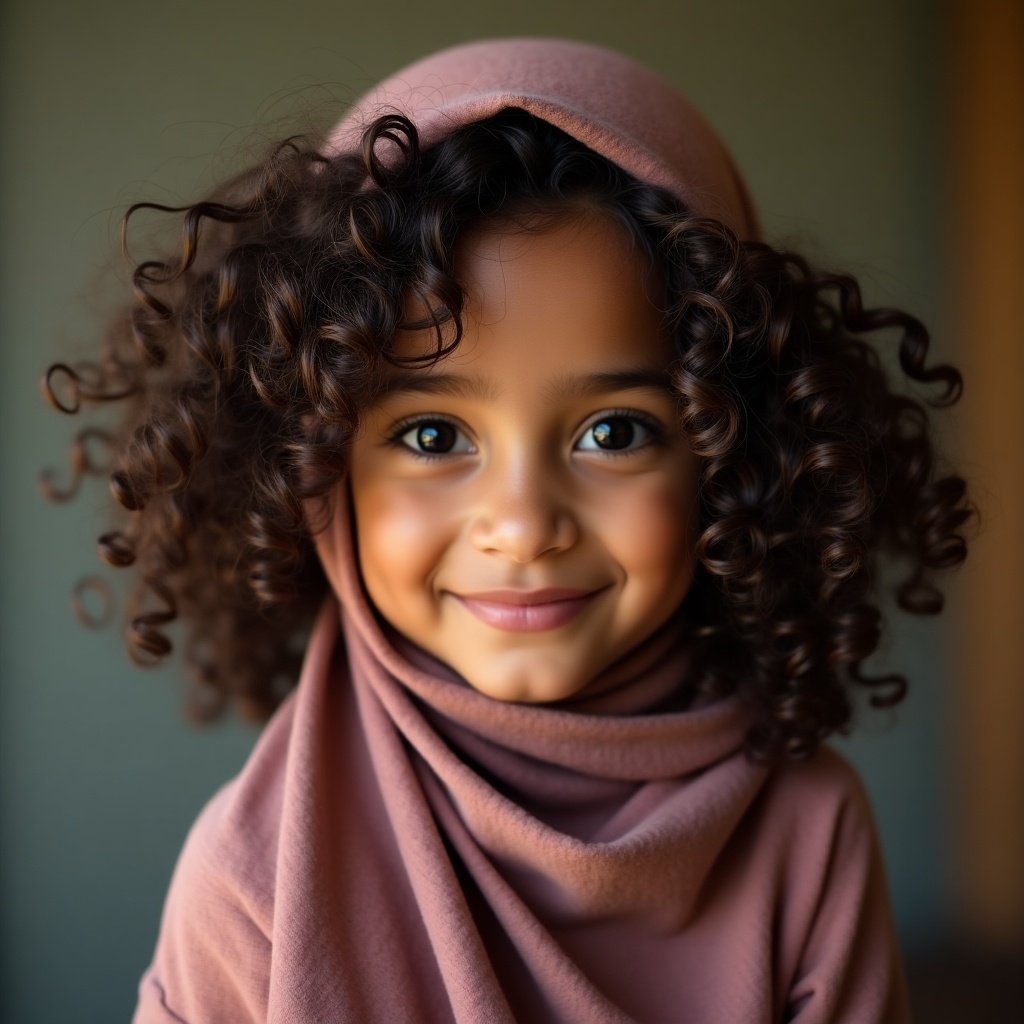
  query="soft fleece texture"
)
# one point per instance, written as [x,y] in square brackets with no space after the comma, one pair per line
[402,848]
[607,101]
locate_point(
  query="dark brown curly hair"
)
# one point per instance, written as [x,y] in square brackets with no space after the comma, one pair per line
[280,306]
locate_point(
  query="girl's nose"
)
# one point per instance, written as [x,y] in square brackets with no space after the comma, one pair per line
[523,514]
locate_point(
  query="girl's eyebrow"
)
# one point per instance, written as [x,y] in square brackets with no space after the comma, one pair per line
[639,378]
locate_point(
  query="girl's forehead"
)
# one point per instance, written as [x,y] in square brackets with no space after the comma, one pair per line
[487,259]
[571,295]
[582,273]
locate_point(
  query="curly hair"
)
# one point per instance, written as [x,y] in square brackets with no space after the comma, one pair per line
[280,308]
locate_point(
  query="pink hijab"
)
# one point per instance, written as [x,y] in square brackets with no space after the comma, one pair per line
[617,107]
[401,847]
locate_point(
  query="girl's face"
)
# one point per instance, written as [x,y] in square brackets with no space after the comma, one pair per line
[543,454]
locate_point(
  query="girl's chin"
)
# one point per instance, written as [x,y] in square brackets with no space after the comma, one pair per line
[529,684]
[519,695]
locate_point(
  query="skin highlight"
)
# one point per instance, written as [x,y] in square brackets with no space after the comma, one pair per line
[510,464]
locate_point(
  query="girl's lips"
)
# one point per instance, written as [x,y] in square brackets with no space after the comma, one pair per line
[525,618]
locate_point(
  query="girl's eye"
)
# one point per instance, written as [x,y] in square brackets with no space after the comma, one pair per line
[619,433]
[430,437]
[613,433]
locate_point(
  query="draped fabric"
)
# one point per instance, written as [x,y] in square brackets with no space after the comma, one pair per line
[400,847]
[614,105]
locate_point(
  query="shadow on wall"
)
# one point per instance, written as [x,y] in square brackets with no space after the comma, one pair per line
[982,977]
[964,984]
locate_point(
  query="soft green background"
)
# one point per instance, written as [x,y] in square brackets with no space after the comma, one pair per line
[833,111]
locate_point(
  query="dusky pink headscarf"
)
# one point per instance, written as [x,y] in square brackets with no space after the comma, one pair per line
[617,107]
[400,847]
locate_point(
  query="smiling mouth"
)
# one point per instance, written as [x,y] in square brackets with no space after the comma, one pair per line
[517,617]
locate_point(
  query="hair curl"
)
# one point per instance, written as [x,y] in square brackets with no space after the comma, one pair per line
[281,304]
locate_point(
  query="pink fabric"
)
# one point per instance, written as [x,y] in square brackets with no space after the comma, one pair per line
[400,847]
[614,105]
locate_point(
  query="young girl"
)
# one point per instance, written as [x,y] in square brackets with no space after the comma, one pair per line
[574,491]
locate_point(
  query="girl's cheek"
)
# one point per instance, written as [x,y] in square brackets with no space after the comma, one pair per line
[650,524]
[403,532]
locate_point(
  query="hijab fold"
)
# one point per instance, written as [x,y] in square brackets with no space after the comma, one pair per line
[528,834]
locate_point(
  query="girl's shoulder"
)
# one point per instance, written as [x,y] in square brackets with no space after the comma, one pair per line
[217,919]
[822,793]
[832,906]
[216,926]
[816,827]
[827,776]
[230,849]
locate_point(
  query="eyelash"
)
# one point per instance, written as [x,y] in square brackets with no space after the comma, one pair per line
[657,434]
[403,428]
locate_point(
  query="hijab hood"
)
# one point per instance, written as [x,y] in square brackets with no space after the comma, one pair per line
[602,98]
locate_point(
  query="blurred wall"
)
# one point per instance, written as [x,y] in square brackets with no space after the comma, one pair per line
[986,259]
[832,110]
